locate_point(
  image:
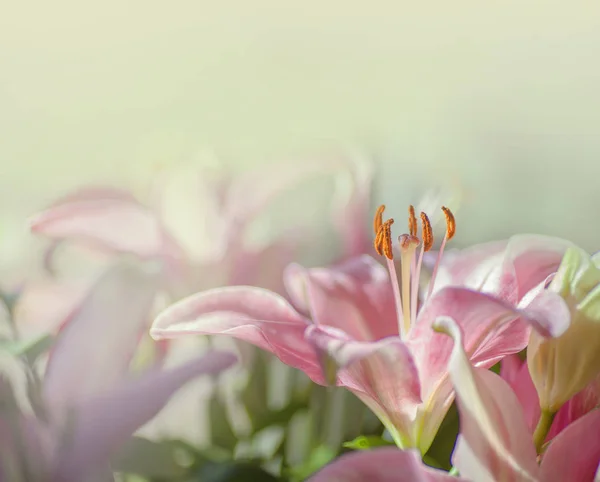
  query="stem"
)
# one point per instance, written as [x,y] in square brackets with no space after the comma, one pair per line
[542,429]
[436,266]
[414,299]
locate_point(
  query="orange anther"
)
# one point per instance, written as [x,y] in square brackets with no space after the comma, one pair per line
[412,221]
[378,221]
[450,222]
[427,232]
[387,238]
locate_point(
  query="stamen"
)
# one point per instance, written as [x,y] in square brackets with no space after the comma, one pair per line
[427,232]
[450,223]
[450,231]
[425,246]
[383,246]
[386,240]
[378,220]
[408,246]
[378,243]
[412,221]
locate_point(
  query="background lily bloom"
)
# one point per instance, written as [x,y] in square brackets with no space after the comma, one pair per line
[495,443]
[381,465]
[348,314]
[91,400]
[197,222]
[199,226]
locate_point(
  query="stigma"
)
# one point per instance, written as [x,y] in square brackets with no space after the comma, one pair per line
[411,247]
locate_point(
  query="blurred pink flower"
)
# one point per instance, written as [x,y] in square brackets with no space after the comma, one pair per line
[195,224]
[92,401]
[196,221]
[495,442]
[381,465]
[352,320]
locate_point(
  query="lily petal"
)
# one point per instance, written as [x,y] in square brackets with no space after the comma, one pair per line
[479,317]
[108,219]
[352,206]
[188,199]
[585,401]
[354,296]
[507,269]
[381,465]
[575,453]
[96,344]
[493,329]
[516,373]
[103,423]
[255,315]
[381,373]
[491,420]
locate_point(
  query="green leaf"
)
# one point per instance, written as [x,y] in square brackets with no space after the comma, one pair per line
[222,435]
[441,449]
[231,472]
[149,459]
[254,395]
[319,457]
[31,349]
[363,442]
[279,417]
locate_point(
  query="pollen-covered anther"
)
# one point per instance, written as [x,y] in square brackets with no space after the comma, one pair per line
[378,220]
[412,221]
[386,239]
[427,232]
[450,223]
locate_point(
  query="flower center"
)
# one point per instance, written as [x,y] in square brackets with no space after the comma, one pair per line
[410,262]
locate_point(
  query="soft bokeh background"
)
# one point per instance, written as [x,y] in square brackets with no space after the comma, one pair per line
[500,98]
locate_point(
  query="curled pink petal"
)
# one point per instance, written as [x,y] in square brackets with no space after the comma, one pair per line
[585,401]
[480,317]
[255,315]
[575,453]
[381,373]
[491,420]
[508,269]
[381,465]
[354,296]
[108,219]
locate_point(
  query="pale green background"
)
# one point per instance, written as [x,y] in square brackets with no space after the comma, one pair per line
[500,97]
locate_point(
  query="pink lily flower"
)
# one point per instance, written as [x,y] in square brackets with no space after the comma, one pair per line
[93,402]
[381,465]
[355,324]
[516,373]
[495,442]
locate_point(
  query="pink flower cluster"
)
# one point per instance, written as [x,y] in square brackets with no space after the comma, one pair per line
[408,349]
[408,337]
